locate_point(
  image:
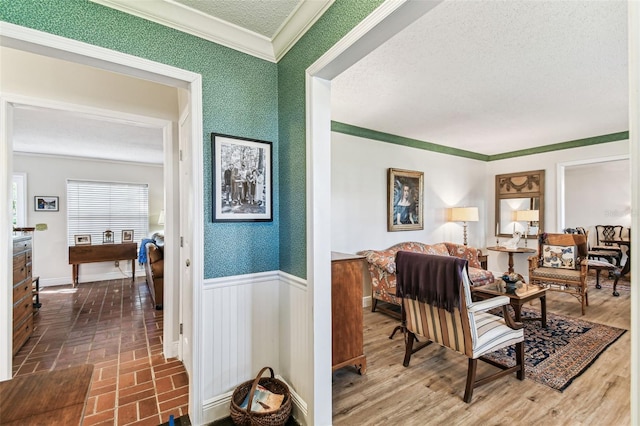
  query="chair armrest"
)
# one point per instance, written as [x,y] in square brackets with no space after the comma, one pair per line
[485,305]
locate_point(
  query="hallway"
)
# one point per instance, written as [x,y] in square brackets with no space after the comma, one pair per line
[113,325]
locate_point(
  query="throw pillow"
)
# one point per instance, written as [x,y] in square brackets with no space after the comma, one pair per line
[559,256]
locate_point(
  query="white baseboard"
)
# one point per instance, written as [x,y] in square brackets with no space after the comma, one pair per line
[366,301]
[52,282]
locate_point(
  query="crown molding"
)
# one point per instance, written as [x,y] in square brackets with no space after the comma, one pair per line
[182,18]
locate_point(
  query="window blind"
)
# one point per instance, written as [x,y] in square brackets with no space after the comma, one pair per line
[94,207]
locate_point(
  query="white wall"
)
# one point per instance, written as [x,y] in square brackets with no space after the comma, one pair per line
[46,175]
[359,169]
[547,161]
[359,193]
[604,188]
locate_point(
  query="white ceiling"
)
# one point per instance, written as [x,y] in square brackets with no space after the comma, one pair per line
[484,76]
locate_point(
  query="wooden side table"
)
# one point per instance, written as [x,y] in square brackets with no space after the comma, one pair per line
[517,297]
[347,323]
[511,251]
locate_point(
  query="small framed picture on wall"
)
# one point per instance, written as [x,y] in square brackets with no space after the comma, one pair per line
[46,203]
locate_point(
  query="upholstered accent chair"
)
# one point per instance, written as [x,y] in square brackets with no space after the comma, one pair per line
[437,307]
[561,265]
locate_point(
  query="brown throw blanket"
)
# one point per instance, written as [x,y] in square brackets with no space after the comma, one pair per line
[430,279]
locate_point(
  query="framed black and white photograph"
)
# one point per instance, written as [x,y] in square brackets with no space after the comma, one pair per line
[82,239]
[404,194]
[242,180]
[127,235]
[45,203]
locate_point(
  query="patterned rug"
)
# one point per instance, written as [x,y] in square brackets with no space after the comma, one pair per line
[555,356]
[607,283]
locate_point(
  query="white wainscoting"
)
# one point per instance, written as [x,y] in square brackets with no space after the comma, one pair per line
[249,322]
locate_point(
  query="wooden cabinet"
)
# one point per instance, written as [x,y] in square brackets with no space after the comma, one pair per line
[22,292]
[347,275]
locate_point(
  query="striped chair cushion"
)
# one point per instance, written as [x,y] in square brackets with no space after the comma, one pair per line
[492,333]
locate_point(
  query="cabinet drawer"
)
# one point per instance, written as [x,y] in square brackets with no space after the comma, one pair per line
[22,289]
[21,309]
[21,333]
[20,273]
[22,245]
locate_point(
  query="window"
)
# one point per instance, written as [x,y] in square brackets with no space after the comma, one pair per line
[94,207]
[19,200]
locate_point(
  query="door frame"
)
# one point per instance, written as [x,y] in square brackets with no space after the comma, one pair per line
[26,39]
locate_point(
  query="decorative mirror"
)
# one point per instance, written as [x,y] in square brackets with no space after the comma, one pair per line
[520,204]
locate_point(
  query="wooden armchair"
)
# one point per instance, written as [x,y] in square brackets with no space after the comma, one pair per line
[561,265]
[436,301]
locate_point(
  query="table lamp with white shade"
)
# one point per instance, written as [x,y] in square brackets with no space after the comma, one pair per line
[527,216]
[464,215]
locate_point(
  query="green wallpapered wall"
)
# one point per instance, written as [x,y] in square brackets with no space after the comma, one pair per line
[239,98]
[242,96]
[337,21]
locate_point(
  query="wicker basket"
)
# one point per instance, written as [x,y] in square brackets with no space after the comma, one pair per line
[246,417]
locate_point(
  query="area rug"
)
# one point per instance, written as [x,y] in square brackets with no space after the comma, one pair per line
[555,356]
[624,283]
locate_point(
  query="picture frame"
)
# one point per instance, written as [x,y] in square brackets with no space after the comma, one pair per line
[46,203]
[127,235]
[82,239]
[241,179]
[108,237]
[404,195]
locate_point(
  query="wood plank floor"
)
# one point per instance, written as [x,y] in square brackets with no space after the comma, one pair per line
[430,390]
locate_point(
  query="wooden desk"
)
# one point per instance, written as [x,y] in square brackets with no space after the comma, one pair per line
[511,251]
[102,253]
[51,397]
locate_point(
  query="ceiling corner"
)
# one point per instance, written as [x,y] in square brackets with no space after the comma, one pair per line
[303,18]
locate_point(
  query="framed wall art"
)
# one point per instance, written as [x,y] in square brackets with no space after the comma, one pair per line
[45,203]
[404,195]
[82,239]
[127,235]
[242,180]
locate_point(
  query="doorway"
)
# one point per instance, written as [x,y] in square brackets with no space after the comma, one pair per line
[24,39]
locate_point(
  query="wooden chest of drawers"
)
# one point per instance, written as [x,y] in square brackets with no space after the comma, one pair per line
[22,291]
[346,311]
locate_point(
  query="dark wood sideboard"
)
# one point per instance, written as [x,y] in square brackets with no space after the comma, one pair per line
[22,291]
[102,253]
[347,278]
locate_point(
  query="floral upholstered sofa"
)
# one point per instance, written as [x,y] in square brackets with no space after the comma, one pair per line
[382,268]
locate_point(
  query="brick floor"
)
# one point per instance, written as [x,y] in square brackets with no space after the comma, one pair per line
[113,325]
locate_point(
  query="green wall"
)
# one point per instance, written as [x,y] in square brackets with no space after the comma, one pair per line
[240,97]
[337,21]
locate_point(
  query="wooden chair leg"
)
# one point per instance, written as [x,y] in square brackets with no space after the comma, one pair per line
[373,304]
[520,359]
[409,339]
[616,274]
[598,279]
[471,378]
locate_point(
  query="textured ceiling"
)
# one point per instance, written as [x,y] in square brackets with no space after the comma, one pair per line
[495,76]
[260,16]
[54,132]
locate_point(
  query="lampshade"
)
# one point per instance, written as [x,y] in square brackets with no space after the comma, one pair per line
[527,215]
[464,214]
[161,217]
